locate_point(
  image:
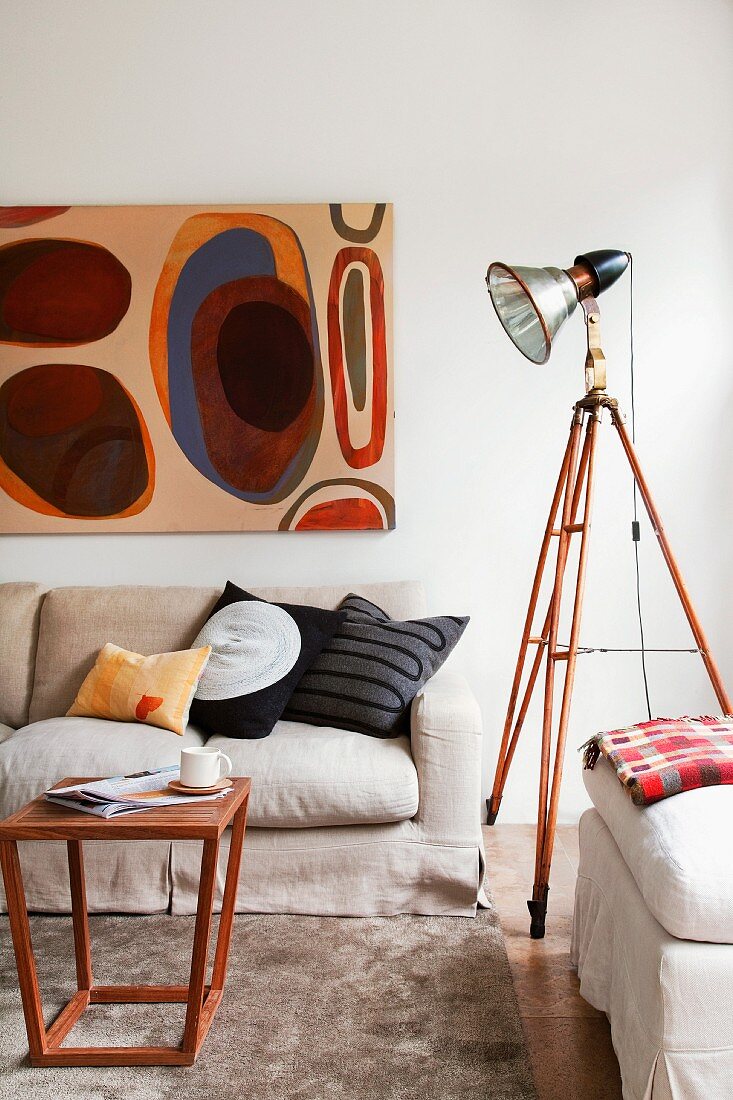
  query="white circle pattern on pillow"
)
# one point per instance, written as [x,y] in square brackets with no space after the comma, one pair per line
[253,645]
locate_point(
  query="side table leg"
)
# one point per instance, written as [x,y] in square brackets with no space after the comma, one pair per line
[82,946]
[226,921]
[197,979]
[21,933]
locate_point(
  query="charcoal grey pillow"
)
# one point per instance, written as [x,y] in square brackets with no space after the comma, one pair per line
[371,670]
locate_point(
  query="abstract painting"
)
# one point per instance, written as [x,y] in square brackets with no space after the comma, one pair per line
[175,368]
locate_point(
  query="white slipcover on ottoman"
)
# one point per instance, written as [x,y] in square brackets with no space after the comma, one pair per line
[653,884]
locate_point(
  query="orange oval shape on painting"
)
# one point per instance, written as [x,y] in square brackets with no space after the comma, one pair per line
[235,353]
[348,514]
[60,293]
[53,401]
[370,453]
[369,507]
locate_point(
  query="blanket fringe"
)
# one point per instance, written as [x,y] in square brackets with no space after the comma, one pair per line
[591,750]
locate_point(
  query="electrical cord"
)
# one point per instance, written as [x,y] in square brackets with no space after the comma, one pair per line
[635,529]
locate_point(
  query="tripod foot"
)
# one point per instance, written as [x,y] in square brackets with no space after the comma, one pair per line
[492,810]
[538,911]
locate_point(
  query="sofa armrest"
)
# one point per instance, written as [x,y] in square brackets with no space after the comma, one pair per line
[446,747]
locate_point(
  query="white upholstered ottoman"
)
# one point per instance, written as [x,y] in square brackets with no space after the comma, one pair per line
[653,936]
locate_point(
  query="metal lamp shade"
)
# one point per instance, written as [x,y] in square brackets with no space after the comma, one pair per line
[532,304]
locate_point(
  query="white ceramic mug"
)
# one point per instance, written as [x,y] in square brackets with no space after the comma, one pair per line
[201,767]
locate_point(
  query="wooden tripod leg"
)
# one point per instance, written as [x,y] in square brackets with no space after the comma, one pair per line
[541,643]
[506,751]
[656,522]
[572,654]
[538,904]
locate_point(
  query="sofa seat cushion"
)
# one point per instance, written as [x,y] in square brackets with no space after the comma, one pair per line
[679,852]
[314,775]
[35,757]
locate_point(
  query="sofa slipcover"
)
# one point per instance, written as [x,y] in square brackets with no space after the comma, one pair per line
[305,776]
[340,871]
[430,861]
[20,606]
[678,850]
[667,999]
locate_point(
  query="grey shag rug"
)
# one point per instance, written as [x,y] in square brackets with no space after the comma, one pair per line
[315,1008]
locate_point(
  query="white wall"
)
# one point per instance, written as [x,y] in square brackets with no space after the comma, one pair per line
[522,131]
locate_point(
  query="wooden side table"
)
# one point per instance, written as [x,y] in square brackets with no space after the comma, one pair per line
[206,821]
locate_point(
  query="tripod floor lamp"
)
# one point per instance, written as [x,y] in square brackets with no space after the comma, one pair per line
[532,305]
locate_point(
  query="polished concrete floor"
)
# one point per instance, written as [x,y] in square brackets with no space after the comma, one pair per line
[569,1041]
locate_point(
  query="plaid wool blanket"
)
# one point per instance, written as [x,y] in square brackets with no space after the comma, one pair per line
[654,760]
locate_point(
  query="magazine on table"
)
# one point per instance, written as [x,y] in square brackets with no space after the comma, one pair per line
[127,794]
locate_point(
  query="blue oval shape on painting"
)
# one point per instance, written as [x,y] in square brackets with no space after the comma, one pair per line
[235,262]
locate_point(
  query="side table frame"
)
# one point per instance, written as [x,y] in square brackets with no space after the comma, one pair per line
[202,1000]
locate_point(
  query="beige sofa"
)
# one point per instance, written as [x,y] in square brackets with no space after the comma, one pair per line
[339,823]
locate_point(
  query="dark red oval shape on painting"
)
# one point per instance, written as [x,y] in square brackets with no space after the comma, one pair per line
[266,364]
[60,293]
[54,398]
[240,409]
[86,457]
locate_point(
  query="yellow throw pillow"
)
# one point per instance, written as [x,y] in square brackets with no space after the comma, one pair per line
[128,687]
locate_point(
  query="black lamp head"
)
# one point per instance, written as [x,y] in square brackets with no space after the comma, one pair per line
[606,264]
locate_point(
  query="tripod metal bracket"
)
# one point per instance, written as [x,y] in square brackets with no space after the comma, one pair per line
[595,360]
[594,402]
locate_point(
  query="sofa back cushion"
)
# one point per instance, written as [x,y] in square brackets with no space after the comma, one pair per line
[76,622]
[20,605]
